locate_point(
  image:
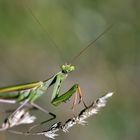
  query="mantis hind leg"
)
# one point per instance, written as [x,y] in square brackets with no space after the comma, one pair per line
[43,122]
[43,110]
[75,89]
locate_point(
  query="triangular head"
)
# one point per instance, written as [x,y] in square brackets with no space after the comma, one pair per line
[67,68]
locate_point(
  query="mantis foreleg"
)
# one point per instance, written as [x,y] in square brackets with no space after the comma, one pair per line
[64,97]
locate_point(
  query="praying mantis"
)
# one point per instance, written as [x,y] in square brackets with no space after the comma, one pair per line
[27,94]
[85,113]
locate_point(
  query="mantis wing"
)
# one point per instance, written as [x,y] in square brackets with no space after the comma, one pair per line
[12,92]
[19,87]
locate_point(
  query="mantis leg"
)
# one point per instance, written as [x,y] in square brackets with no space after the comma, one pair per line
[64,97]
[43,122]
[43,110]
[22,105]
[39,124]
[7,101]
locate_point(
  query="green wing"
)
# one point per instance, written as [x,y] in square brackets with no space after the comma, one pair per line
[19,87]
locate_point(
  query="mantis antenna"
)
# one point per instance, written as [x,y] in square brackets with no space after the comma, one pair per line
[44,29]
[56,46]
[91,43]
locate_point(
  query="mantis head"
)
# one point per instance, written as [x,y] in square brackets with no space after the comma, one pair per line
[67,68]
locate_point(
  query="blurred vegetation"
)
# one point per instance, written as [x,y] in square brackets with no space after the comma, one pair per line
[27,54]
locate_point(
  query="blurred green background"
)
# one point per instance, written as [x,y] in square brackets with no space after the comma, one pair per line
[28,54]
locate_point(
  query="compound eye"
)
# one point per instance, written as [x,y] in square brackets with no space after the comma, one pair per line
[62,67]
[72,68]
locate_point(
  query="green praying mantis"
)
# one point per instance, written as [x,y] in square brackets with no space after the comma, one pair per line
[27,94]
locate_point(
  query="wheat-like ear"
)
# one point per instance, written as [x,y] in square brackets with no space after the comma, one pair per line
[80,119]
[21,116]
[87,112]
[93,108]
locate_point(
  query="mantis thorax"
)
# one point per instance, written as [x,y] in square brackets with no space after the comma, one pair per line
[67,68]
